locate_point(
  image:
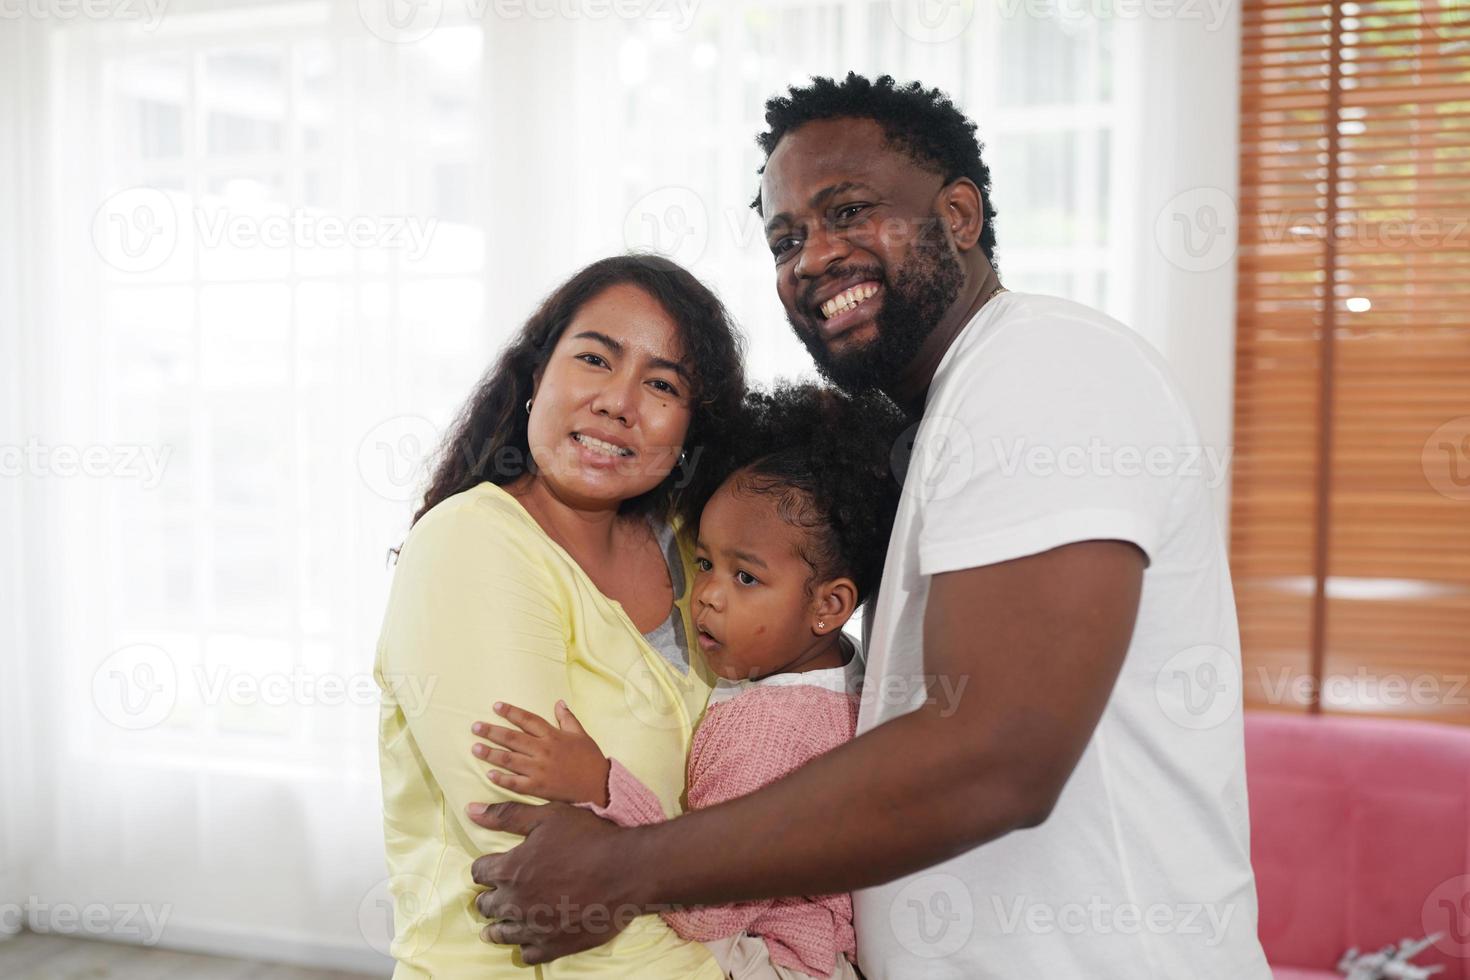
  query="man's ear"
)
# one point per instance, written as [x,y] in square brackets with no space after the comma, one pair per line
[962,208]
[833,603]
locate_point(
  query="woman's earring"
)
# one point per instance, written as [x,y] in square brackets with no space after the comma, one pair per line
[821,624]
[683,458]
[528,406]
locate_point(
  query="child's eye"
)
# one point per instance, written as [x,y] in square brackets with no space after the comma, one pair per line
[742,577]
[702,564]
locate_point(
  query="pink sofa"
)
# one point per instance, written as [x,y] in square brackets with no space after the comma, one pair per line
[1360,833]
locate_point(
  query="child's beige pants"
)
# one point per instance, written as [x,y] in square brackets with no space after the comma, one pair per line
[745,957]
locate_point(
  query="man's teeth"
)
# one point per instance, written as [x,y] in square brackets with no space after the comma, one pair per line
[600,446]
[847,299]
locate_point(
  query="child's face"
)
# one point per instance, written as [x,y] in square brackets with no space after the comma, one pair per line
[752,605]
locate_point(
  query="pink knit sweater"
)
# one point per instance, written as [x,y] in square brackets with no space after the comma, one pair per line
[753,739]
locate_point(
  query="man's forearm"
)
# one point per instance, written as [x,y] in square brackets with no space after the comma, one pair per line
[900,798]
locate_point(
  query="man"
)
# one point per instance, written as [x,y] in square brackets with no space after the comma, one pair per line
[1036,789]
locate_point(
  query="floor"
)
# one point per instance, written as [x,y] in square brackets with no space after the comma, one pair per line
[32,956]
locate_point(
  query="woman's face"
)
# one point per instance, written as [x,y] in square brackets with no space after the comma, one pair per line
[613,402]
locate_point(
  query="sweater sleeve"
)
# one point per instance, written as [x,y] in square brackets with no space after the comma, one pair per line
[742,745]
[629,802]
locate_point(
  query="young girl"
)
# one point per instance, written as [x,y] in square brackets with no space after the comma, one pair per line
[789,545]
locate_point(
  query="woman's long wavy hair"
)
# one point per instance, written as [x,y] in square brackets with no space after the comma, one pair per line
[489,441]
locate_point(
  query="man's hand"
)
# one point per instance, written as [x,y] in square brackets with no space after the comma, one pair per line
[560,891]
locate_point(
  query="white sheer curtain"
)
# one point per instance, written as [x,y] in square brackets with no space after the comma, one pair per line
[255,255]
[17,785]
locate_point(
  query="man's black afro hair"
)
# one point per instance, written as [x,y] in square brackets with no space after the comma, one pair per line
[920,122]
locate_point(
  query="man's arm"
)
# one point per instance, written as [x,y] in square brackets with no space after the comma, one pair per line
[1037,641]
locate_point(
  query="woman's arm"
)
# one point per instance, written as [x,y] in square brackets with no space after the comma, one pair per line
[472,619]
[476,616]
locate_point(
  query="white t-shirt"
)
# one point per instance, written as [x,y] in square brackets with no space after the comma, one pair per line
[1049,423]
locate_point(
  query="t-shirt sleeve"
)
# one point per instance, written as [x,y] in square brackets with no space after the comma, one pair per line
[1051,432]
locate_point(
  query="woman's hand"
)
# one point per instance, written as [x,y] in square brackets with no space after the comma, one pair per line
[562,764]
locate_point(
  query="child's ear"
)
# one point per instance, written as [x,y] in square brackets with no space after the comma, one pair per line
[833,604]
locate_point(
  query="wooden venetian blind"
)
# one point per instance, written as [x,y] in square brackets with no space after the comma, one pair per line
[1350,538]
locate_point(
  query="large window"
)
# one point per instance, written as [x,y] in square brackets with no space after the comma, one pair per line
[292,254]
[1351,506]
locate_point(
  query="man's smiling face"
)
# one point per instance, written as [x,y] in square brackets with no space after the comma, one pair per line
[865,266]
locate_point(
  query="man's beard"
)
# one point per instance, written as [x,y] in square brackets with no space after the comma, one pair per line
[926,286]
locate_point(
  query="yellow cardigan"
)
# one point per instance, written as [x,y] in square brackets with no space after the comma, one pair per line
[485,607]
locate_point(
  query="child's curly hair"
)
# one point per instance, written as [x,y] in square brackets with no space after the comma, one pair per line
[827,457]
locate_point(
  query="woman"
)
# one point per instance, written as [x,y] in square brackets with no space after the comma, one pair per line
[546,565]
